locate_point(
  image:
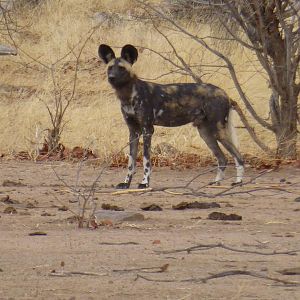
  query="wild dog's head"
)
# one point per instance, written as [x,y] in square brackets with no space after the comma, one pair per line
[119,70]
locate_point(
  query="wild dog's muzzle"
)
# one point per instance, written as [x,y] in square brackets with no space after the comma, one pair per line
[111,79]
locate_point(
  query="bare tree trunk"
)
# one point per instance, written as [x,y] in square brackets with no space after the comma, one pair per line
[286,129]
[53,140]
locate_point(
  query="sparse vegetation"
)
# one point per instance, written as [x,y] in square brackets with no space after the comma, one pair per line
[48,32]
[231,242]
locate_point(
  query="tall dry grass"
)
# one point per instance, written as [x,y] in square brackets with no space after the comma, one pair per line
[94,119]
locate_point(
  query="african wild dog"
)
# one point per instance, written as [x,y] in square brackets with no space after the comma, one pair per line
[145,104]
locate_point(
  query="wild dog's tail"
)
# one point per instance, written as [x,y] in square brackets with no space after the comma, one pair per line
[231,128]
[249,128]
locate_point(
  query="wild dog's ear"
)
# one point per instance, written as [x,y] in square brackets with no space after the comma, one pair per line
[106,53]
[129,53]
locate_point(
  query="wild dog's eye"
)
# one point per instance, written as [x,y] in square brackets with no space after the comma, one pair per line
[121,68]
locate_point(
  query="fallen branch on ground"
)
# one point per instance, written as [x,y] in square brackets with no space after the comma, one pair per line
[201,247]
[71,273]
[189,191]
[220,275]
[118,244]
[132,191]
[146,270]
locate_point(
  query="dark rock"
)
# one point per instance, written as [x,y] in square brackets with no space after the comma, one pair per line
[297,199]
[196,205]
[30,205]
[107,206]
[221,216]
[10,210]
[63,208]
[151,207]
[10,183]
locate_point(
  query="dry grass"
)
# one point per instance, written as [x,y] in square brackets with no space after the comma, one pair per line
[94,119]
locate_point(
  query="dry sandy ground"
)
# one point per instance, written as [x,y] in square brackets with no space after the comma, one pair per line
[120,253]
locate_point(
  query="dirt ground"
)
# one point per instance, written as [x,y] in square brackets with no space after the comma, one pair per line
[108,262]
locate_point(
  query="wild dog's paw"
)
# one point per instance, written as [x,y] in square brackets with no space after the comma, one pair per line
[143,185]
[123,186]
[237,183]
[217,183]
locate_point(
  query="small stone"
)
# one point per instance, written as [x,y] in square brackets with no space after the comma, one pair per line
[151,207]
[30,205]
[5,199]
[10,210]
[63,208]
[196,205]
[181,206]
[106,223]
[10,183]
[46,214]
[107,206]
[156,242]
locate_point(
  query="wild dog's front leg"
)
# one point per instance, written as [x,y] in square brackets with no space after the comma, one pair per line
[133,145]
[147,136]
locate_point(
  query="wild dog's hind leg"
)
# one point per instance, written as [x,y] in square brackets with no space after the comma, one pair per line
[228,138]
[147,136]
[209,137]
[228,144]
[134,134]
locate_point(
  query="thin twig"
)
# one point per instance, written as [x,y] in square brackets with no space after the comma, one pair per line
[71,273]
[160,269]
[118,244]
